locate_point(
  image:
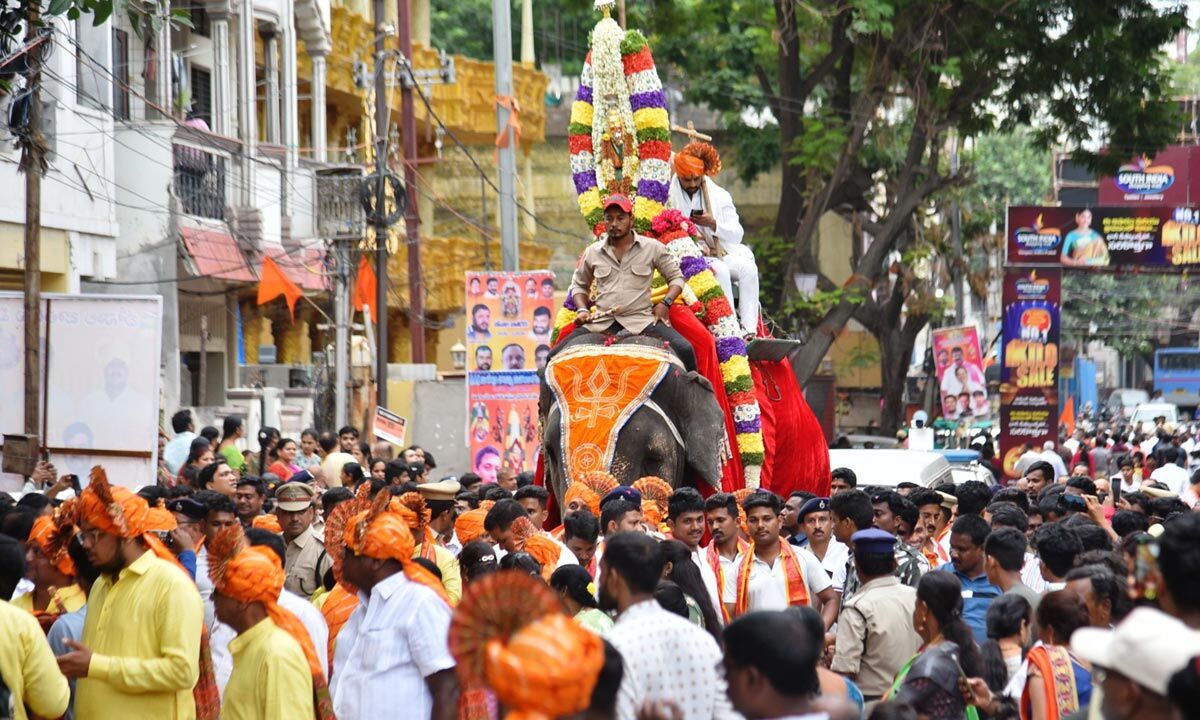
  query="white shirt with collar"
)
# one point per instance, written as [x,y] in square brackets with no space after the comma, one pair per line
[1174,477]
[393,641]
[768,583]
[715,594]
[668,658]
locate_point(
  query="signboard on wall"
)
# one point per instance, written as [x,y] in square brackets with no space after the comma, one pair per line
[1029,358]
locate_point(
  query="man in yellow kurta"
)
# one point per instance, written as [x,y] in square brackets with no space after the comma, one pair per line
[52,571]
[27,665]
[416,513]
[275,667]
[141,640]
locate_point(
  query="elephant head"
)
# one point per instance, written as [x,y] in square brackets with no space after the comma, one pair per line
[677,432]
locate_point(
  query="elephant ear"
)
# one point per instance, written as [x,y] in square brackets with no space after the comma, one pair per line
[689,398]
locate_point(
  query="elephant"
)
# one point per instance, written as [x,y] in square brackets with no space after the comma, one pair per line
[647,443]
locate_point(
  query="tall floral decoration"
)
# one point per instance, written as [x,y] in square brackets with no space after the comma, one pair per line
[620,98]
[706,299]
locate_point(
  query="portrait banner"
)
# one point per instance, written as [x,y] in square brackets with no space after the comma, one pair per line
[1031,303]
[502,421]
[1100,237]
[962,389]
[509,320]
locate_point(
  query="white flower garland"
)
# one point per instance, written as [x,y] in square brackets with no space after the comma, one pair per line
[608,80]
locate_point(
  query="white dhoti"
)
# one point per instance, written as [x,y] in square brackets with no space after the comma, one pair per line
[738,266]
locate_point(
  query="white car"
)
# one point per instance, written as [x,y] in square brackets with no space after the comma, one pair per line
[1122,401]
[889,468]
[1144,414]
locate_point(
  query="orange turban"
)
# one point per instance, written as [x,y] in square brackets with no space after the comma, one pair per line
[383,534]
[655,493]
[582,493]
[651,514]
[267,522]
[688,165]
[547,669]
[412,507]
[254,574]
[45,534]
[113,509]
[545,551]
[469,525]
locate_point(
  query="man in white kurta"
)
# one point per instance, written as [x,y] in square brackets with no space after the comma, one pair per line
[711,207]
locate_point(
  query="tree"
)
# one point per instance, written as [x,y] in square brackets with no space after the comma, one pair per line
[866,92]
[1133,313]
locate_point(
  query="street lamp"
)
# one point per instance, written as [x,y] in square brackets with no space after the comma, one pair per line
[458,355]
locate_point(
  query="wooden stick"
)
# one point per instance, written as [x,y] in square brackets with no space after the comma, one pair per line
[691,131]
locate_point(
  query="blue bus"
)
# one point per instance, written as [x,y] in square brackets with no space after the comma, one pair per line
[1177,375]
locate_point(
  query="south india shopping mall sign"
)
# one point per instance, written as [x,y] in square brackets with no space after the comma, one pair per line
[1099,237]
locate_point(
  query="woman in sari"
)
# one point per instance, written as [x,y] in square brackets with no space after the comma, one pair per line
[930,680]
[1056,684]
[284,454]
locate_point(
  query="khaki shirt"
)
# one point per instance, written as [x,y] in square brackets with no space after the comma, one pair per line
[622,287]
[875,636]
[306,563]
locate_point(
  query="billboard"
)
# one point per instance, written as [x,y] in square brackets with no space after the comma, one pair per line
[502,421]
[962,390]
[1031,305]
[1098,237]
[1162,180]
[509,320]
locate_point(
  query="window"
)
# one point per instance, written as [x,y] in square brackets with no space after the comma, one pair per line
[120,71]
[201,95]
[92,80]
[199,17]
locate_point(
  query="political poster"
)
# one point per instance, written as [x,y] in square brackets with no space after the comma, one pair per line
[962,389]
[502,427]
[509,320]
[1101,237]
[1029,360]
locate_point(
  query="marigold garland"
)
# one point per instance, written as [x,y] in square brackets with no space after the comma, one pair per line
[641,108]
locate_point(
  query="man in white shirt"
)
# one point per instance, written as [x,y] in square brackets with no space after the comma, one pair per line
[727,547]
[685,515]
[1168,473]
[392,654]
[666,657]
[819,539]
[175,452]
[1050,455]
[776,575]
[710,206]
[1029,457]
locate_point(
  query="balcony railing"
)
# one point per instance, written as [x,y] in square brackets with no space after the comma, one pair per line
[200,181]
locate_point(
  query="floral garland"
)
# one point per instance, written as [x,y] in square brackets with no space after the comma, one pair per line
[704,297]
[641,106]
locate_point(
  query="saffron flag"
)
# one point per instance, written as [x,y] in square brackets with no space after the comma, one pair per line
[273,283]
[1067,417]
[365,287]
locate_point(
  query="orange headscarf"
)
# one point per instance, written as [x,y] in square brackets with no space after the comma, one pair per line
[545,551]
[382,534]
[688,165]
[115,510]
[469,525]
[45,534]
[254,574]
[545,670]
[591,487]
[415,511]
[267,522]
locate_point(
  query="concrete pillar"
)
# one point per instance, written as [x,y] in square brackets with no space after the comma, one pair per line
[162,71]
[289,104]
[222,80]
[420,13]
[247,100]
[527,57]
[317,122]
[271,75]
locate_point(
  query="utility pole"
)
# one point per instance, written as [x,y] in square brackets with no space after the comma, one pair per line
[412,222]
[381,177]
[33,160]
[502,47]
[341,335]
[956,274]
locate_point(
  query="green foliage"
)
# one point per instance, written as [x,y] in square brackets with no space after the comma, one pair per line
[1009,169]
[1134,314]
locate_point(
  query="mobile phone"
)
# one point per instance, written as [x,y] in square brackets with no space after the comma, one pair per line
[1145,569]
[73,480]
[697,213]
[1071,503]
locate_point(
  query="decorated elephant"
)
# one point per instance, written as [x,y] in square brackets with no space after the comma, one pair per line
[628,407]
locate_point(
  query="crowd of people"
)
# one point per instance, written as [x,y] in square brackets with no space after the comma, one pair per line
[334,578]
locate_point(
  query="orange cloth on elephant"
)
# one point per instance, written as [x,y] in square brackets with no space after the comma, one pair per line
[382,534]
[338,606]
[598,389]
[45,535]
[688,166]
[545,670]
[255,574]
[267,522]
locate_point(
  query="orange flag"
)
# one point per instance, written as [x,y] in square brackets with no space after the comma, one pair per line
[1067,417]
[273,283]
[365,288]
